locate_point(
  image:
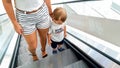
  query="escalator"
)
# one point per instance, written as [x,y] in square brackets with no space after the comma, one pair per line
[55,61]
[79,53]
[70,58]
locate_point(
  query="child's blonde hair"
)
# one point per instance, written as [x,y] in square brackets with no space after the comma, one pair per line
[60,13]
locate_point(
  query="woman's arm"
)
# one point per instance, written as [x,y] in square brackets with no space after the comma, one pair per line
[9,10]
[48,2]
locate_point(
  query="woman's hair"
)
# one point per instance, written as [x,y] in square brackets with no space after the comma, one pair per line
[60,13]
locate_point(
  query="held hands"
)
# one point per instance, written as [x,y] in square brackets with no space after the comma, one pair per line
[51,15]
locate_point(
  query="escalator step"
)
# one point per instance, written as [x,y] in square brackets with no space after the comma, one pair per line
[79,64]
[59,60]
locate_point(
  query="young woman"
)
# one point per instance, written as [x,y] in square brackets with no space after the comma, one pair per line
[31,16]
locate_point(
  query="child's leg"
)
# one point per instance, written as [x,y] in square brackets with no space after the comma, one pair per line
[54,46]
[60,46]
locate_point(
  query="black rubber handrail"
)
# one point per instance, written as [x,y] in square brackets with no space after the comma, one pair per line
[13,63]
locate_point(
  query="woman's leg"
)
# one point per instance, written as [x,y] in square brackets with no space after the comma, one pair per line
[43,40]
[42,26]
[32,44]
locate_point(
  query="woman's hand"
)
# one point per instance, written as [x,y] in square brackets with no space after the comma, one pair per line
[18,28]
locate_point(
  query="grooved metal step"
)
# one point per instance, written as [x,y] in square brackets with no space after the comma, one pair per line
[78,64]
[59,60]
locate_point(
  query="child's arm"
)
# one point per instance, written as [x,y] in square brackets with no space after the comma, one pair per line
[65,33]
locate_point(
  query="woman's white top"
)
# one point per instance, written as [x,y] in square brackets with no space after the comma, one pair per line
[56,31]
[28,5]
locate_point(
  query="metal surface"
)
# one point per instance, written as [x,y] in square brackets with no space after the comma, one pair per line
[55,61]
[79,64]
